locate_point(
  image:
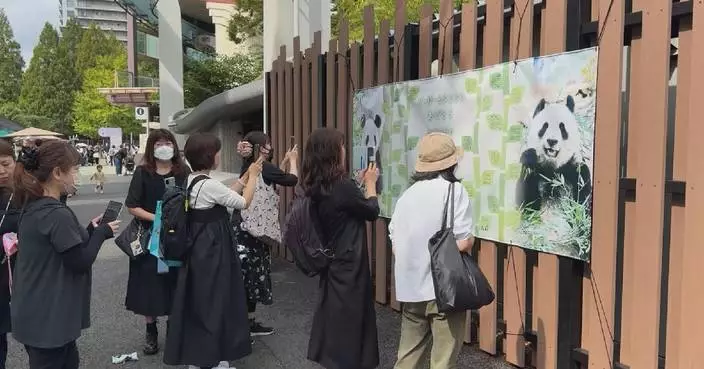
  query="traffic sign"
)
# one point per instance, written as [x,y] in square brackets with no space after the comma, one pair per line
[141,113]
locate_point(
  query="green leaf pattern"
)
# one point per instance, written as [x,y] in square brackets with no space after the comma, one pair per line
[486,111]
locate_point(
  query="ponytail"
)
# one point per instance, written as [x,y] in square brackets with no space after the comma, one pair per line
[36,165]
[27,187]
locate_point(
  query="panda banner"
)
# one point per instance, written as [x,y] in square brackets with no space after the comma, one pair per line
[527,130]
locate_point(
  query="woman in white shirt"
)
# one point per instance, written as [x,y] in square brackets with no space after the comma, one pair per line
[416,218]
[209,323]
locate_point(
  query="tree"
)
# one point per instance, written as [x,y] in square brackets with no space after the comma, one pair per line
[247,21]
[11,62]
[206,78]
[40,93]
[65,66]
[352,10]
[91,110]
[71,36]
[94,44]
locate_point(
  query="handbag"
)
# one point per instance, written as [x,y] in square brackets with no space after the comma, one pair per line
[261,218]
[133,240]
[458,282]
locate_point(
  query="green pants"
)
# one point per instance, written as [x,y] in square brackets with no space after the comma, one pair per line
[425,331]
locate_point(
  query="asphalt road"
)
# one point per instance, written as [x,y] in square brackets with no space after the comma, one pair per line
[115,331]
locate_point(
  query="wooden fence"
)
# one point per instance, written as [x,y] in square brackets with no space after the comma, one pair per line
[638,303]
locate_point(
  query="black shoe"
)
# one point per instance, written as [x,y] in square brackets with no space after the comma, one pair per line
[256,329]
[151,345]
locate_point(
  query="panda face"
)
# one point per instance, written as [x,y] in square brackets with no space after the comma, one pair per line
[372,132]
[554,134]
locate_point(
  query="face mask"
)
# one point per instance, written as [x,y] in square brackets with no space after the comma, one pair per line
[164,153]
[69,189]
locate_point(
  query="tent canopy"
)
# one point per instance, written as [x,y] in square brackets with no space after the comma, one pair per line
[31,132]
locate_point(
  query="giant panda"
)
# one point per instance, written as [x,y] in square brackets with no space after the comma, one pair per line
[552,148]
[372,142]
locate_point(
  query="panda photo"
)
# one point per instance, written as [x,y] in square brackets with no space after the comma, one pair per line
[553,149]
[372,143]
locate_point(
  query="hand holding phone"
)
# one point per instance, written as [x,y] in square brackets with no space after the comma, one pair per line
[112,212]
[371,157]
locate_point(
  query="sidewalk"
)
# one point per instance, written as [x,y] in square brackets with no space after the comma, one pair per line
[295,298]
[86,172]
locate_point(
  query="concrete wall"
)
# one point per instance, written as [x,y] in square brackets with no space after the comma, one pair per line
[230,133]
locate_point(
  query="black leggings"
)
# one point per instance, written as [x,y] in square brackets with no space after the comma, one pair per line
[64,357]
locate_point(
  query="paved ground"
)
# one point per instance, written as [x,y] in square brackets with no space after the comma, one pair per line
[116,331]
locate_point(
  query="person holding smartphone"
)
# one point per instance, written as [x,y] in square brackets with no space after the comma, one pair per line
[257,227]
[149,293]
[56,260]
[208,325]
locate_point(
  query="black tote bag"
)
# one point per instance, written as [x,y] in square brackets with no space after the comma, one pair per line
[459,283]
[134,240]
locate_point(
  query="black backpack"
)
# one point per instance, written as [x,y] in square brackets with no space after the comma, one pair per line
[300,236]
[175,238]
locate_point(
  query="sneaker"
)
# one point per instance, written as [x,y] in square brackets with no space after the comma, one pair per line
[257,329]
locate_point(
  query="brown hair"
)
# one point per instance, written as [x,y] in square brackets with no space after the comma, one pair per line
[200,151]
[322,161]
[6,149]
[35,167]
[149,162]
[257,139]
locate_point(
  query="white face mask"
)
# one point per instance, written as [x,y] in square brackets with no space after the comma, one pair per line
[164,153]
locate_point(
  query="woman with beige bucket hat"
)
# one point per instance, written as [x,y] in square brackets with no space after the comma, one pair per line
[416,218]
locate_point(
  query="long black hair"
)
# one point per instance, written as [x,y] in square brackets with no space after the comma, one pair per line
[257,139]
[448,174]
[322,161]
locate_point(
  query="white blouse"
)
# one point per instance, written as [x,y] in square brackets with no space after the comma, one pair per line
[210,192]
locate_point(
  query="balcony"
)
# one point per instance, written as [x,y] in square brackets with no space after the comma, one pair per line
[130,91]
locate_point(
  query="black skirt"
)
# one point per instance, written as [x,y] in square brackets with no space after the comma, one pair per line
[148,292]
[209,320]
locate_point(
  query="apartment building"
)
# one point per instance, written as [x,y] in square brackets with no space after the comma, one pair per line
[106,14]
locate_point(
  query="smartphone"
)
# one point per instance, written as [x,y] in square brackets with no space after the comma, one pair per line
[112,212]
[170,182]
[292,142]
[371,158]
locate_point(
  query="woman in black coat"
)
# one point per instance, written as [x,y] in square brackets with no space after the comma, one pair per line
[345,287]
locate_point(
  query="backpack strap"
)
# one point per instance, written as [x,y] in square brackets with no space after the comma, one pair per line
[198,178]
[195,181]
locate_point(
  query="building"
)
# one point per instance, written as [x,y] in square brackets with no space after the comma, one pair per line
[106,14]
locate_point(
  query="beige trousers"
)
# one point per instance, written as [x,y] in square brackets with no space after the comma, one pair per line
[425,331]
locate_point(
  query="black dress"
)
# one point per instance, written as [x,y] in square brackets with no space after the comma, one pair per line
[148,292]
[209,320]
[345,288]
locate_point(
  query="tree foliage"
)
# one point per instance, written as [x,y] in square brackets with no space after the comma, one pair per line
[247,21]
[11,62]
[41,94]
[206,78]
[91,110]
[352,10]
[93,45]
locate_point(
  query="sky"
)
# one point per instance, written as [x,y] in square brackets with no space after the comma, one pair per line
[27,18]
